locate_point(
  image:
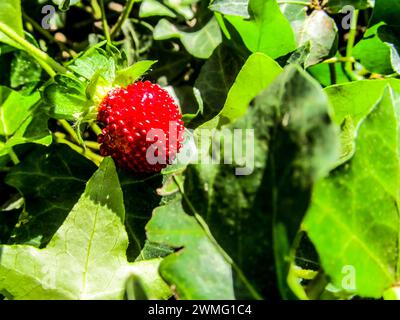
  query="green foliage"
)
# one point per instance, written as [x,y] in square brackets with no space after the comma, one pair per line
[10,16]
[198,271]
[357,205]
[268,32]
[200,43]
[301,204]
[90,244]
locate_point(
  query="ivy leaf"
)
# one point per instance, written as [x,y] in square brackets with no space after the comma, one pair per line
[214,81]
[34,129]
[353,221]
[256,74]
[86,257]
[151,8]
[140,199]
[25,72]
[378,50]
[198,271]
[51,181]
[22,121]
[11,17]
[321,39]
[390,35]
[200,44]
[182,7]
[346,101]
[386,11]
[15,110]
[231,7]
[268,31]
[295,143]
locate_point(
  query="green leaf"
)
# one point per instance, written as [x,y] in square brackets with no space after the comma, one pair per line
[15,110]
[347,102]
[94,61]
[129,75]
[231,7]
[140,199]
[10,15]
[22,121]
[215,80]
[200,44]
[25,72]
[19,70]
[321,39]
[51,181]
[268,31]
[322,73]
[386,11]
[256,74]
[66,98]
[378,51]
[151,8]
[390,37]
[256,217]
[198,271]
[34,129]
[182,7]
[353,221]
[86,257]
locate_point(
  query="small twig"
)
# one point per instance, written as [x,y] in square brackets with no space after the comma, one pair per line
[92,145]
[94,157]
[49,64]
[13,156]
[122,18]
[47,34]
[348,66]
[339,60]
[67,127]
[95,128]
[105,23]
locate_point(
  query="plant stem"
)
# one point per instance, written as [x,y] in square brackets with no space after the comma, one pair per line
[105,23]
[47,34]
[317,286]
[206,229]
[121,20]
[95,128]
[51,66]
[67,127]
[332,73]
[339,60]
[13,156]
[96,9]
[350,44]
[92,145]
[94,157]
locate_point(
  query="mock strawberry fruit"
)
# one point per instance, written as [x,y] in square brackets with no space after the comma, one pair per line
[143,130]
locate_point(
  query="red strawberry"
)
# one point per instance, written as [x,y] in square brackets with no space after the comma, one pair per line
[142,124]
